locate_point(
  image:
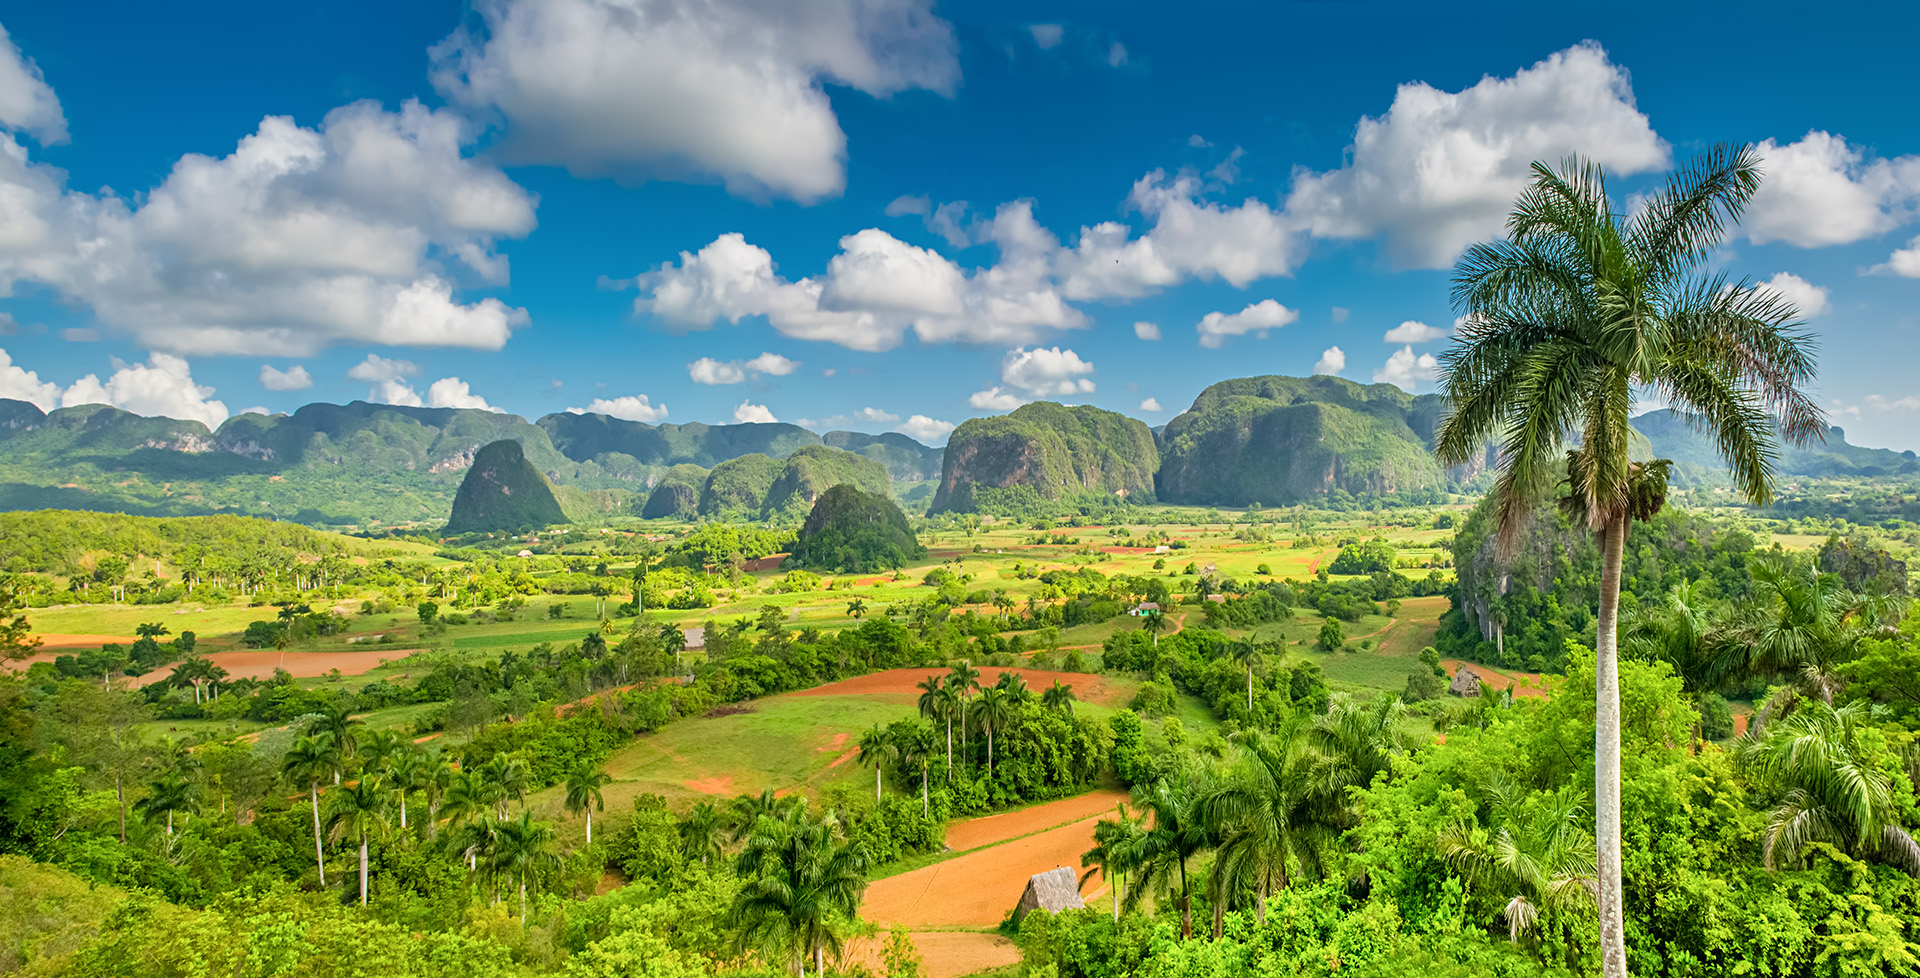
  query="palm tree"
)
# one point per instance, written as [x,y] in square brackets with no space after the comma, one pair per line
[509,778]
[407,772]
[523,849]
[856,607]
[700,833]
[912,743]
[1117,851]
[333,721]
[1015,686]
[584,782]
[1358,741]
[995,710]
[1563,322]
[1246,653]
[1058,697]
[1179,832]
[1274,812]
[875,745]
[800,877]
[748,810]
[310,759]
[1802,625]
[1689,634]
[1539,853]
[936,702]
[962,681]
[1834,787]
[1153,623]
[359,809]
[170,793]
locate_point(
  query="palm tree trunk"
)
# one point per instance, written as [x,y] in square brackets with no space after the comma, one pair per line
[1186,905]
[319,854]
[949,747]
[1119,894]
[589,826]
[1249,688]
[363,867]
[989,752]
[523,900]
[1606,754]
[876,783]
[120,792]
[923,791]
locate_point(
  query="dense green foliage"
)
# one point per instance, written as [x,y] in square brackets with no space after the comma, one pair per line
[738,486]
[503,491]
[677,493]
[1283,440]
[1055,451]
[852,530]
[905,460]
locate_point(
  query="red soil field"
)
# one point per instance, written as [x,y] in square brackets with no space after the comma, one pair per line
[1523,683]
[1087,688]
[260,663]
[943,953]
[989,829]
[976,889]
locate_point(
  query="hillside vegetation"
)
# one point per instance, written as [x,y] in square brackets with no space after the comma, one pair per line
[1046,451]
[503,491]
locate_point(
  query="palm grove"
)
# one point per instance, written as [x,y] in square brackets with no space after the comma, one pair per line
[1617,825]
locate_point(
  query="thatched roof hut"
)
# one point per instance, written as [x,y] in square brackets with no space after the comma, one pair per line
[1052,891]
[1466,682]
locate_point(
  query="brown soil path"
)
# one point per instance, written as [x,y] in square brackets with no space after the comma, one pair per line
[978,888]
[1086,688]
[989,829]
[1524,683]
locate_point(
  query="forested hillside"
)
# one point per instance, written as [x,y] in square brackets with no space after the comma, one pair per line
[1046,452]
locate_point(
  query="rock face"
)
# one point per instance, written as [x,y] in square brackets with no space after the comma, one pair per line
[906,460]
[1281,440]
[1046,451]
[677,494]
[503,491]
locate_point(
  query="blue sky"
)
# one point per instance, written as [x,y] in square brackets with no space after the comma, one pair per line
[892,215]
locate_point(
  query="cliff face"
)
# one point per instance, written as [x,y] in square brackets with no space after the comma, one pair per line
[1054,451]
[503,491]
[1281,440]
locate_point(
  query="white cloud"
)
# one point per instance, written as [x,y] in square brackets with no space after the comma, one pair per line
[1440,170]
[995,399]
[1151,405]
[1822,191]
[866,415]
[1045,372]
[295,378]
[1904,262]
[1331,362]
[1810,299]
[909,204]
[1146,330]
[297,240]
[1403,369]
[1046,36]
[161,387]
[1189,238]
[1413,331]
[753,414]
[632,407]
[1116,55]
[256,409]
[1198,141]
[930,431]
[452,392]
[874,414]
[395,392]
[682,89]
[707,370]
[27,102]
[943,220]
[1259,317]
[20,384]
[378,368]
[1340,314]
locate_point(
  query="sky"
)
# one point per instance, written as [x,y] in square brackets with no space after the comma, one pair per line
[884,214]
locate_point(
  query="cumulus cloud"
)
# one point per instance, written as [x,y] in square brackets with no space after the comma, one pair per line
[452,392]
[1116,55]
[1440,170]
[1822,191]
[1257,318]
[1151,405]
[20,384]
[995,399]
[921,428]
[707,370]
[873,291]
[377,368]
[294,378]
[690,88]
[256,409]
[1047,372]
[1146,331]
[1414,331]
[1331,362]
[1904,262]
[1812,300]
[27,102]
[1403,369]
[299,239]
[632,407]
[748,413]
[1046,36]
[1189,238]
[161,387]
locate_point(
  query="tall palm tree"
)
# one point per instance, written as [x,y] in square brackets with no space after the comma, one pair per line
[168,794]
[1015,686]
[700,833]
[1834,788]
[359,809]
[522,851]
[963,680]
[509,778]
[995,711]
[747,811]
[1357,741]
[1058,697]
[934,704]
[875,745]
[1564,322]
[801,878]
[1176,806]
[1802,625]
[1690,634]
[1539,852]
[912,744]
[333,720]
[1153,623]
[584,782]
[1117,850]
[407,771]
[1247,654]
[310,759]
[1273,812]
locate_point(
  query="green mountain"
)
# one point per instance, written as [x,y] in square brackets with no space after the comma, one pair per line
[503,491]
[677,494]
[1281,440]
[852,530]
[906,460]
[589,437]
[811,471]
[1697,462]
[738,486]
[1046,451]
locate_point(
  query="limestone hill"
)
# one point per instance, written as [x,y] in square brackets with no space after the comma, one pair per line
[1046,451]
[503,491]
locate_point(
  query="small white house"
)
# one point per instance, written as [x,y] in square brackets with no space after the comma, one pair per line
[1142,608]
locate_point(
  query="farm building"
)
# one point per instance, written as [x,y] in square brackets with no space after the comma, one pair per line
[1052,891]
[1466,682]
